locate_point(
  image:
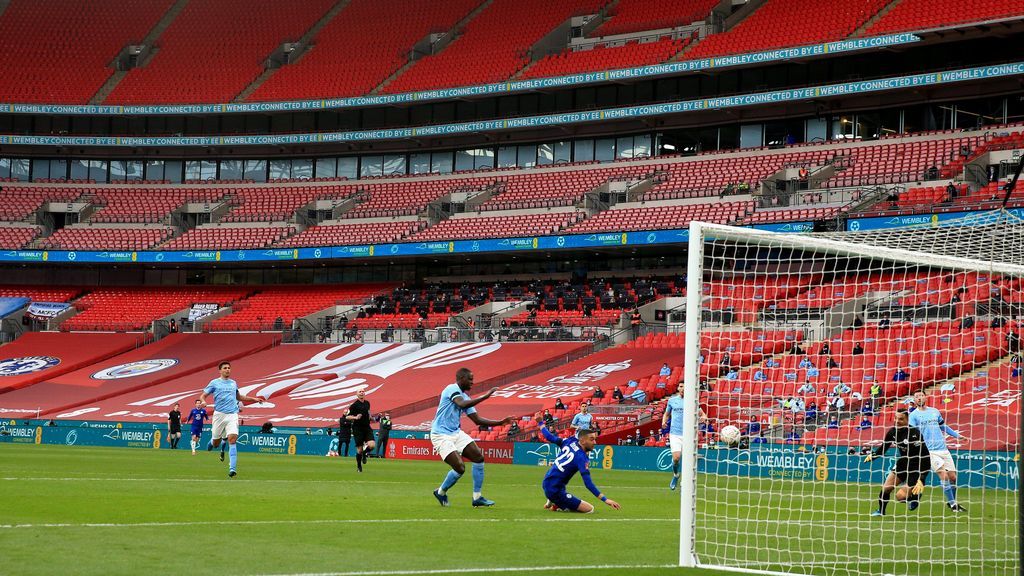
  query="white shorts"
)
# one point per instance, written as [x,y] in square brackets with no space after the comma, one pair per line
[224,425]
[675,442]
[445,444]
[943,460]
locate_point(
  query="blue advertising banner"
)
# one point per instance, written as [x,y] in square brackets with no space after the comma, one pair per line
[464,91]
[724,102]
[933,219]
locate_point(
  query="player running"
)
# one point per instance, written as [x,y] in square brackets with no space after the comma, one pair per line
[933,429]
[573,458]
[225,412]
[197,417]
[674,413]
[911,467]
[452,444]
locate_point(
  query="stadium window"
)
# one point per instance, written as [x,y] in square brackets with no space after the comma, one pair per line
[751,136]
[583,151]
[463,160]
[348,167]
[117,169]
[642,146]
[370,166]
[58,169]
[843,128]
[394,164]
[507,157]
[545,155]
[419,163]
[256,170]
[278,169]
[302,168]
[326,167]
[527,156]
[133,170]
[815,130]
[174,170]
[154,170]
[624,147]
[982,112]
[40,170]
[707,139]
[604,149]
[98,171]
[230,170]
[5,167]
[193,170]
[483,158]
[563,152]
[1014,109]
[441,163]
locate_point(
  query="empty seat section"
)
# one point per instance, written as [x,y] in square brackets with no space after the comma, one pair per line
[352,234]
[87,237]
[899,161]
[493,45]
[20,202]
[262,310]
[14,237]
[605,58]
[406,198]
[214,237]
[654,218]
[137,308]
[551,189]
[519,225]
[384,32]
[639,15]
[146,205]
[59,51]
[781,23]
[39,294]
[269,204]
[791,215]
[215,48]
[922,14]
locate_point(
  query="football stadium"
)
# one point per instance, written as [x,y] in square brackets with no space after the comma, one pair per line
[475,287]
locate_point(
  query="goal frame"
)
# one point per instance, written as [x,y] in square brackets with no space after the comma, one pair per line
[699,232]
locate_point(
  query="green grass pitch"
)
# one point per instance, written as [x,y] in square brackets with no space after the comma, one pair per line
[74,510]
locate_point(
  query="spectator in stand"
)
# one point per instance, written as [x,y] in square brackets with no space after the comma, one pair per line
[805,363]
[796,349]
[760,376]
[732,375]
[825,349]
[841,388]
[813,372]
[513,429]
[865,424]
[352,333]
[759,439]
[866,409]
[900,375]
[1015,366]
[705,427]
[836,404]
[832,363]
[858,349]
[883,324]
[639,439]
[833,423]
[771,363]
[389,333]
[753,427]
[1012,342]
[174,326]
[558,404]
[634,322]
[798,405]
[811,413]
[951,191]
[876,395]
[617,395]
[654,438]
[584,420]
[806,388]
[665,370]
[598,393]
[726,360]
[792,437]
[549,420]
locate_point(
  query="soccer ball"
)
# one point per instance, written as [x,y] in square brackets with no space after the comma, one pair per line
[730,435]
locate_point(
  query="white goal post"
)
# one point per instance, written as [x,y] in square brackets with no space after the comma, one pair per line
[798,494]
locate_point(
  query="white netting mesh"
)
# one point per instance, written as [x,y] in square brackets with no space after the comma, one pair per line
[802,338]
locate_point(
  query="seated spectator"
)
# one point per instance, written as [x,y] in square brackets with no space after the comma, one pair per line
[665,370]
[865,424]
[825,349]
[792,437]
[797,405]
[726,360]
[549,420]
[883,324]
[771,363]
[513,429]
[639,439]
[558,404]
[832,363]
[732,375]
[806,388]
[617,395]
[836,403]
[796,349]
[753,427]
[598,393]
[759,439]
[833,423]
[967,322]
[867,409]
[841,388]
[760,376]
[858,349]
[900,375]
[813,372]
[811,412]
[706,427]
[805,363]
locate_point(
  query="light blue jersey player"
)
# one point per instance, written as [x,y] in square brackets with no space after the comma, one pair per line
[673,419]
[452,444]
[226,401]
[572,458]
[934,431]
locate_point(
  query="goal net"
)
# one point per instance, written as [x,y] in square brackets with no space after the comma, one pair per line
[814,346]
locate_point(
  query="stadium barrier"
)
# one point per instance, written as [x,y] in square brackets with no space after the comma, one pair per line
[977,469]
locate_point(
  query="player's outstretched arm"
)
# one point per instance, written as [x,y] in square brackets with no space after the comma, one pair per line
[585,476]
[548,434]
[464,404]
[247,399]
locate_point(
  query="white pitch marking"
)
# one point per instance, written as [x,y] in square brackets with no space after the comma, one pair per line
[325,521]
[463,570]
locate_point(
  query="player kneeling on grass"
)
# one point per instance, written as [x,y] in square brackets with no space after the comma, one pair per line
[573,458]
[911,467]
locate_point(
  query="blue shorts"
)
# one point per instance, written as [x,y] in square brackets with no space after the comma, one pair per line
[562,499]
[197,432]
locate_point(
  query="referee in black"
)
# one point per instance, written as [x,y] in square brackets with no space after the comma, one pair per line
[362,433]
[911,468]
[174,427]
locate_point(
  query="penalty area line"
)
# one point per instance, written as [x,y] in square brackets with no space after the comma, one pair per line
[327,521]
[464,570]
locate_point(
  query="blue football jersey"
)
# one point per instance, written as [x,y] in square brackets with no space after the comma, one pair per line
[570,460]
